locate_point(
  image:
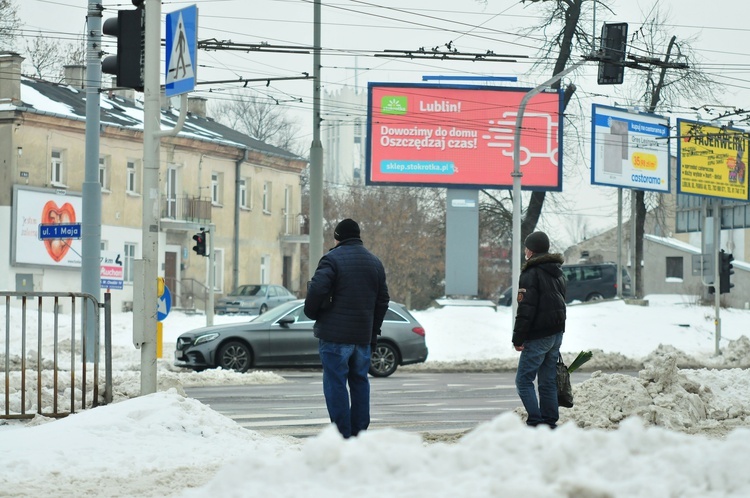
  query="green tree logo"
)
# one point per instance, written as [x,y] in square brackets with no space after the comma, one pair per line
[393,104]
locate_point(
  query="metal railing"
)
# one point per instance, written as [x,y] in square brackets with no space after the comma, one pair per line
[185,208]
[190,294]
[55,339]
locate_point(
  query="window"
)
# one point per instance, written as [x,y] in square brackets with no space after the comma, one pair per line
[127,261]
[216,188]
[218,269]
[267,197]
[131,182]
[287,208]
[674,267]
[243,194]
[104,172]
[265,269]
[57,174]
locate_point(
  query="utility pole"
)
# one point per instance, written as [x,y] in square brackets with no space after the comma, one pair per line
[91,229]
[316,157]
[145,302]
[150,214]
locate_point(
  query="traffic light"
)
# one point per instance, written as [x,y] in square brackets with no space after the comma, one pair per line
[725,270]
[614,43]
[127,65]
[200,243]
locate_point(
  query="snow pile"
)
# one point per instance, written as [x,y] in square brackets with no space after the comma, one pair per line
[691,401]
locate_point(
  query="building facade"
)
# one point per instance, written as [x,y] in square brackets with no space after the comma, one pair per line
[343,133]
[246,193]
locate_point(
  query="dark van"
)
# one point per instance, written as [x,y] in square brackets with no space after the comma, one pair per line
[586,282]
[591,282]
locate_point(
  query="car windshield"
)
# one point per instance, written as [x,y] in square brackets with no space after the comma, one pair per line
[275,313]
[248,290]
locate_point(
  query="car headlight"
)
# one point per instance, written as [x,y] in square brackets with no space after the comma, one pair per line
[205,338]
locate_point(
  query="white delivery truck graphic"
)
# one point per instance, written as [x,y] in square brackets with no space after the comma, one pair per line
[541,127]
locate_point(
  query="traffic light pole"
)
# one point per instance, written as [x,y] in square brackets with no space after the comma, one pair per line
[91,233]
[517,174]
[717,275]
[211,277]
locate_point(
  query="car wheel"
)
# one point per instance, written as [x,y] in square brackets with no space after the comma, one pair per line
[594,296]
[235,356]
[384,360]
[263,308]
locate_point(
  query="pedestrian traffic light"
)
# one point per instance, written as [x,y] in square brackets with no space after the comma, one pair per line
[725,270]
[127,65]
[614,43]
[200,243]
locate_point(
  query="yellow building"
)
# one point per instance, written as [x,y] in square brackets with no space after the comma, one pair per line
[245,191]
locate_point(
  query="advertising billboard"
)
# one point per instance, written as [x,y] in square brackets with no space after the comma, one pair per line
[34,212]
[461,136]
[629,149]
[712,160]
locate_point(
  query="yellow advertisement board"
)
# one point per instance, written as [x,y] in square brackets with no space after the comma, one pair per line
[712,160]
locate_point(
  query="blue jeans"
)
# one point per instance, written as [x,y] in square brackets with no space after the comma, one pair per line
[539,359]
[344,363]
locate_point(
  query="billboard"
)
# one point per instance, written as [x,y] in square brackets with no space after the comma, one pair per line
[712,160]
[33,209]
[461,136]
[629,149]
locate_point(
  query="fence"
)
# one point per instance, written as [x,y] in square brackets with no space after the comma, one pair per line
[45,381]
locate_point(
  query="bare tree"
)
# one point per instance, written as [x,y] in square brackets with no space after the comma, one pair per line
[405,228]
[10,23]
[43,54]
[564,32]
[48,57]
[662,88]
[260,117]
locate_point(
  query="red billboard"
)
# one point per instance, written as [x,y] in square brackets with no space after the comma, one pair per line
[461,136]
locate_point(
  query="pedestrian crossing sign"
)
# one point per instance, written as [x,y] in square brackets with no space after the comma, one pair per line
[182,51]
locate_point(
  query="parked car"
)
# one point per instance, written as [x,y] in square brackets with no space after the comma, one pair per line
[283,337]
[253,299]
[594,281]
[585,282]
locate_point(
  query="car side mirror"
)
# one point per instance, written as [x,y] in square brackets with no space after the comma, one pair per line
[286,321]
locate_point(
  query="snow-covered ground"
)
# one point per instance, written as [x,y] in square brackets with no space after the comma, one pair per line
[680,428]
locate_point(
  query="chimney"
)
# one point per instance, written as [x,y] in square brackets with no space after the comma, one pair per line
[124,93]
[75,75]
[10,76]
[197,106]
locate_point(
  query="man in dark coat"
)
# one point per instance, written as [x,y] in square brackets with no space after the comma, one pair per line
[348,298]
[539,328]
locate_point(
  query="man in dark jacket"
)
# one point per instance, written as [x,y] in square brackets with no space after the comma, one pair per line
[348,298]
[539,328]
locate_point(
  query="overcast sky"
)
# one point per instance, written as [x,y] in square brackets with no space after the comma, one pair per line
[353,31]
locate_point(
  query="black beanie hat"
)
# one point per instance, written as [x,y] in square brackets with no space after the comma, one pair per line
[346,229]
[537,242]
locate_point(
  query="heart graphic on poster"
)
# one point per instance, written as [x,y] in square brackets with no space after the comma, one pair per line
[52,214]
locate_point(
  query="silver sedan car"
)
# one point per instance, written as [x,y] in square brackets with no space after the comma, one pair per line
[253,299]
[283,337]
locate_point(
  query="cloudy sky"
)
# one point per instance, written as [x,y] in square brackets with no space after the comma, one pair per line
[356,32]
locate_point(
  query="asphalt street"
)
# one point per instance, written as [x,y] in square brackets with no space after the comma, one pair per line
[435,403]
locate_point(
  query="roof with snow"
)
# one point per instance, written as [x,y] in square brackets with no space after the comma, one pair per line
[43,97]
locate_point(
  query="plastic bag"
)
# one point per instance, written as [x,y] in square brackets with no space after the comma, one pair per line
[564,389]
